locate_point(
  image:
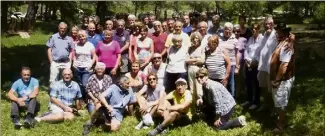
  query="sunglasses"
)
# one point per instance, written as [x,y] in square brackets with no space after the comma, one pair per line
[151,79]
[199,77]
[158,58]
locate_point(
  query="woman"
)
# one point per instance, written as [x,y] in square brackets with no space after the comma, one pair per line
[228,42]
[148,99]
[252,55]
[137,77]
[239,72]
[74,34]
[97,84]
[176,67]
[135,34]
[195,61]
[217,61]
[85,57]
[144,48]
[108,52]
[244,31]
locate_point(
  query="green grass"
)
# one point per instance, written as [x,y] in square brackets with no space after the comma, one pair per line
[305,112]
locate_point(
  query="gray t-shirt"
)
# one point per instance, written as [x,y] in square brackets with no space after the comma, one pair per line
[153,94]
[61,47]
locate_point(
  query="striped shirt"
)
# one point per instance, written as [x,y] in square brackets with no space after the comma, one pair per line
[218,97]
[216,64]
[230,46]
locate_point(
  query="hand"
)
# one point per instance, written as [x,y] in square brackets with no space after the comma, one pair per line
[21,102]
[109,108]
[225,81]
[254,64]
[217,123]
[160,112]
[199,102]
[96,101]
[275,84]
[113,71]
[67,109]
[144,109]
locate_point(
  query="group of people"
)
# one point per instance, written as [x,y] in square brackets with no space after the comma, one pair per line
[169,70]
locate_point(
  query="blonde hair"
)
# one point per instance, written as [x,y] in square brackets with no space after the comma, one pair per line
[196,34]
[214,39]
[108,32]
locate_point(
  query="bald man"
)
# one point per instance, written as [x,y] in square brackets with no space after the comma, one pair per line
[62,97]
[92,36]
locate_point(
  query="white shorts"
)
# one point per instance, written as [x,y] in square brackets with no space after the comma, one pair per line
[55,109]
[281,94]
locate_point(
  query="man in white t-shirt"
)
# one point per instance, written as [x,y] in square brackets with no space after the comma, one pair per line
[158,67]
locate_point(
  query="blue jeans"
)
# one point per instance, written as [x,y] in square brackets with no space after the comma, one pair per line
[231,81]
[82,76]
[251,79]
[90,108]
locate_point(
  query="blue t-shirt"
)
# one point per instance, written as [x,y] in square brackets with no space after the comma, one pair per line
[95,39]
[24,89]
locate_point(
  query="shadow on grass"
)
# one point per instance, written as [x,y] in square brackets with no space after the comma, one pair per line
[13,58]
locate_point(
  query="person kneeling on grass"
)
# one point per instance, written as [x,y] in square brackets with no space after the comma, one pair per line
[27,89]
[113,101]
[148,99]
[62,96]
[217,103]
[179,113]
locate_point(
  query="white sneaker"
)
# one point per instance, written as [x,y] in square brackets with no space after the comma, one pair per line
[139,126]
[253,107]
[38,119]
[147,120]
[244,104]
[242,120]
[145,127]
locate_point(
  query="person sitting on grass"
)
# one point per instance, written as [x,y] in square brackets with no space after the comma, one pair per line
[114,101]
[217,104]
[179,113]
[97,84]
[148,99]
[62,96]
[27,89]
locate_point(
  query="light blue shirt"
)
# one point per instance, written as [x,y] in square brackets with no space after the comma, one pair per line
[61,47]
[118,98]
[24,88]
[66,94]
[95,39]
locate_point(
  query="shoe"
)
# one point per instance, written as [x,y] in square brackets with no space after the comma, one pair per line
[253,107]
[242,120]
[28,122]
[145,127]
[147,120]
[38,119]
[139,126]
[87,126]
[17,123]
[245,104]
[155,131]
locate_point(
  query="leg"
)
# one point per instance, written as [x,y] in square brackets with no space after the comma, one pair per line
[53,117]
[249,86]
[68,116]
[90,107]
[170,82]
[256,87]
[14,110]
[231,81]
[54,71]
[32,106]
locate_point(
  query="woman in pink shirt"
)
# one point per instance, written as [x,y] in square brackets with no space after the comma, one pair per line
[108,52]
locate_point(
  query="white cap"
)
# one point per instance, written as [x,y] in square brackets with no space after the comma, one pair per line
[181,80]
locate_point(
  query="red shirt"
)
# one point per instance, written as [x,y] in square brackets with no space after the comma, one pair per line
[158,41]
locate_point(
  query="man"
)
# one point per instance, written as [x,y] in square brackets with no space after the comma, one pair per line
[114,101]
[63,95]
[59,52]
[282,72]
[159,38]
[187,27]
[170,25]
[177,31]
[180,112]
[97,83]
[202,26]
[109,25]
[123,38]
[204,17]
[217,104]
[130,23]
[165,27]
[151,29]
[158,67]
[85,22]
[216,28]
[92,36]
[27,90]
[145,20]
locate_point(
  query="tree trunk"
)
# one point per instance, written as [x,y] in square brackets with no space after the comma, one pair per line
[30,16]
[53,16]
[4,15]
[136,7]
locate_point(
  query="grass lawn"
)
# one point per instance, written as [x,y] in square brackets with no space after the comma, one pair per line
[305,112]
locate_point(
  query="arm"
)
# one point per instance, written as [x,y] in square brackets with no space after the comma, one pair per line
[151,53]
[34,94]
[108,94]
[282,70]
[157,102]
[228,63]
[139,94]
[78,104]
[135,53]
[49,54]
[12,96]
[164,51]
[125,47]
[94,59]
